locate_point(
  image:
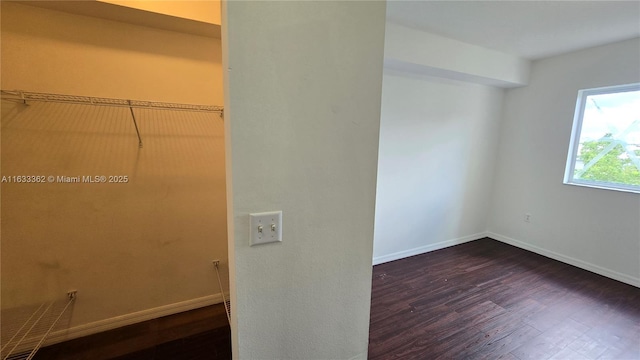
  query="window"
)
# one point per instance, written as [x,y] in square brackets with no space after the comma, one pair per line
[605,142]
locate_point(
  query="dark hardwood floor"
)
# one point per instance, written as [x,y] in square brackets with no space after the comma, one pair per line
[489,300]
[199,334]
[209,345]
[479,300]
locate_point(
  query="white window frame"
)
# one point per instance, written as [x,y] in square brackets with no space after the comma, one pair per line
[575,140]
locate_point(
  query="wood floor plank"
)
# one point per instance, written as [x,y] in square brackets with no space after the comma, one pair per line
[489,300]
[501,343]
[202,333]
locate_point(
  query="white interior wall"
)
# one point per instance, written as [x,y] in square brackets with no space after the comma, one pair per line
[207,11]
[595,229]
[303,90]
[426,201]
[200,18]
[438,144]
[133,251]
[418,51]
[53,51]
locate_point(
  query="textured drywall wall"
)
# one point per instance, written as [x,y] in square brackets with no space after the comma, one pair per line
[438,144]
[591,228]
[204,11]
[125,247]
[303,100]
[52,51]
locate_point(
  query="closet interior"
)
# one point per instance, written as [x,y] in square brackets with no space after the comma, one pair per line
[113,167]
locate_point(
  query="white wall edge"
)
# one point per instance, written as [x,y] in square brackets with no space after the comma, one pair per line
[405,46]
[634,281]
[391,64]
[132,318]
[427,248]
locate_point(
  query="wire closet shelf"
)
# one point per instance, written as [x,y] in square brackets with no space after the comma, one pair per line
[26,330]
[25,97]
[225,301]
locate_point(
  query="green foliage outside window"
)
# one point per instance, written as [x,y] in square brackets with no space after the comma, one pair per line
[614,166]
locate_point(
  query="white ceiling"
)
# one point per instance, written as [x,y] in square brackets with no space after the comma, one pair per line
[530,29]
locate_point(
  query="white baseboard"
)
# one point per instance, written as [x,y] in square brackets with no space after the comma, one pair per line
[132,318]
[359,357]
[427,248]
[634,281]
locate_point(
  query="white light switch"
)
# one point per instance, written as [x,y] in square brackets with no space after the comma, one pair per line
[265,227]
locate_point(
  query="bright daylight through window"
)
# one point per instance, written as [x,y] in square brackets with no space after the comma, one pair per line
[605,142]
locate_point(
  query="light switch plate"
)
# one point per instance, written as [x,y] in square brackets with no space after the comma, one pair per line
[265,227]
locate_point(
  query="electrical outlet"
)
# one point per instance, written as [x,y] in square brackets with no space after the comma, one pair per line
[527,217]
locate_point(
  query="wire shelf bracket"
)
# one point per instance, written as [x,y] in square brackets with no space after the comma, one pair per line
[133,116]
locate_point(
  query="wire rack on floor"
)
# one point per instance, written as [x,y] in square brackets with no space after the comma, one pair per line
[25,329]
[227,303]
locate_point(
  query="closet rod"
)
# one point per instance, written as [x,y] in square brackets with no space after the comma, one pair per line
[25,96]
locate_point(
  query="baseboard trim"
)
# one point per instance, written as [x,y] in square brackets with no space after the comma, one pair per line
[132,318]
[362,356]
[567,259]
[427,248]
